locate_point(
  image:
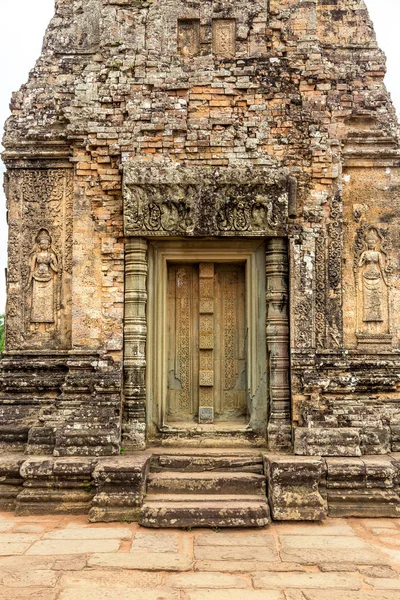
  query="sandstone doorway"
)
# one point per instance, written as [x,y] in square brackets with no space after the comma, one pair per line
[206,364]
[207,369]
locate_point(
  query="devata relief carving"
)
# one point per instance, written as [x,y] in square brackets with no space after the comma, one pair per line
[373,281]
[39,274]
[372,272]
[43,271]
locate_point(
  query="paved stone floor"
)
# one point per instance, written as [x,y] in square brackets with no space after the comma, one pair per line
[65,558]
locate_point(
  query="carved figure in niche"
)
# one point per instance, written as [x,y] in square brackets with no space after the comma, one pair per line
[373,283]
[43,269]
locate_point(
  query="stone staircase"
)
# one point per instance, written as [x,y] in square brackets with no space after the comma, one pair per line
[206,489]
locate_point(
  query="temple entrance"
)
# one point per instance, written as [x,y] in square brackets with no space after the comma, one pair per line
[206,343]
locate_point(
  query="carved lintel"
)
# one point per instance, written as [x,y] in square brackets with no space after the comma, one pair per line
[203,201]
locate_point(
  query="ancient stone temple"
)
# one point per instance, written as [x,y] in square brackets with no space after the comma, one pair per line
[204,275]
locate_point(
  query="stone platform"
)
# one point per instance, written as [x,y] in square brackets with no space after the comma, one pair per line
[65,558]
[204,487]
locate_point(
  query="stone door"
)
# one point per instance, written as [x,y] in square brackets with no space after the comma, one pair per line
[206,343]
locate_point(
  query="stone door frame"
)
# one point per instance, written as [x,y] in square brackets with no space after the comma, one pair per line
[160,253]
[237,207]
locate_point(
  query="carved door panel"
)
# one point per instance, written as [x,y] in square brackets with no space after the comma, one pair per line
[183,344]
[230,364]
[206,343]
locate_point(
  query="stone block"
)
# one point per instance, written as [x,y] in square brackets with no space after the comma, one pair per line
[53,547]
[363,487]
[117,591]
[10,480]
[306,581]
[237,552]
[208,581]
[296,487]
[375,440]
[142,561]
[155,542]
[89,533]
[41,440]
[321,441]
[395,431]
[352,595]
[55,486]
[232,539]
[120,485]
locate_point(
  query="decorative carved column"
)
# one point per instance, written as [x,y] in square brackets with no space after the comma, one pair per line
[277,334]
[135,330]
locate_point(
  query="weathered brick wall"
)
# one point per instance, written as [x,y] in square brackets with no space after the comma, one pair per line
[299,85]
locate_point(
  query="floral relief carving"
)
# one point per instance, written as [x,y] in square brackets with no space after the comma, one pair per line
[303,316]
[320,286]
[335,244]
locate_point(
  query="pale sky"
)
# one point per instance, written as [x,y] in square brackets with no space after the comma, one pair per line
[22,26]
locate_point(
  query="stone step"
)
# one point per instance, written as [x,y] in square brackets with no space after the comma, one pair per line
[201,463]
[229,512]
[171,482]
[79,437]
[201,498]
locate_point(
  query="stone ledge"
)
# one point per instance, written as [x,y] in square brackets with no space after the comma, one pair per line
[319,441]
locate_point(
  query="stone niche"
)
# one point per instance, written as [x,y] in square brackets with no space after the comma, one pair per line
[206,217]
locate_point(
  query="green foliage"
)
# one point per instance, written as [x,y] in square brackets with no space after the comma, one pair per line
[2,321]
[126,520]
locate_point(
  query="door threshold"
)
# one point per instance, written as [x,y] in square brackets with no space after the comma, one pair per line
[212,436]
[232,427]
